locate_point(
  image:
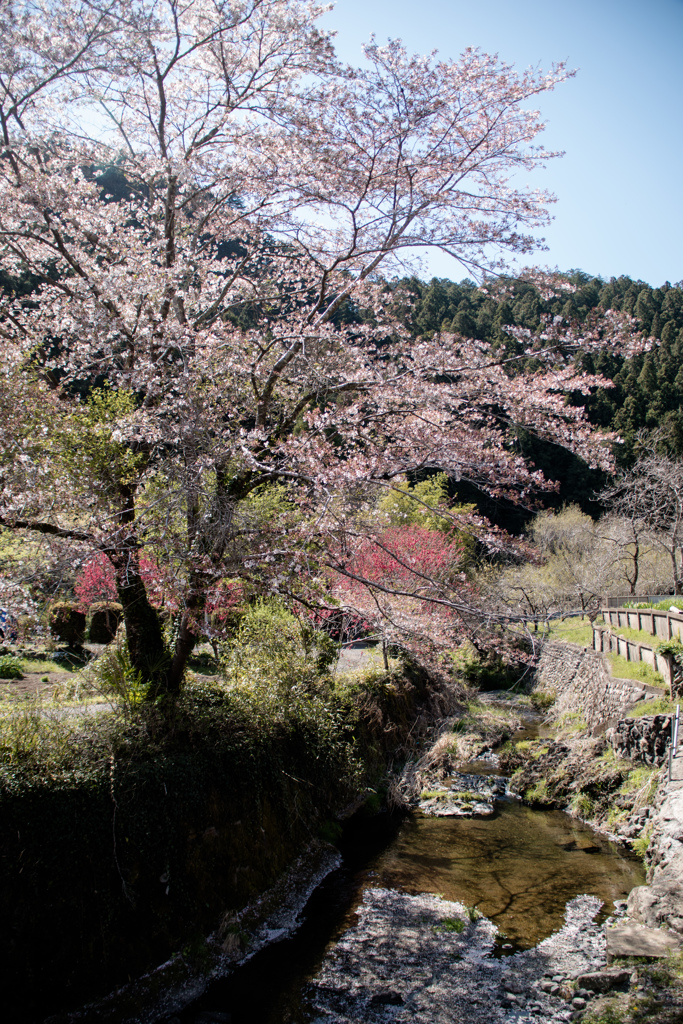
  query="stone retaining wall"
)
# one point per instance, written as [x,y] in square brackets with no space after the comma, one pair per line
[661,902]
[583,683]
[645,739]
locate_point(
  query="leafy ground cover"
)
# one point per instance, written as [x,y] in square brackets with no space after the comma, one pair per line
[655,995]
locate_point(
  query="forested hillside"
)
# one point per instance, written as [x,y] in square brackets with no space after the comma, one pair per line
[648,388]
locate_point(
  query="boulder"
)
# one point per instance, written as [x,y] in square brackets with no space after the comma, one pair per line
[604,981]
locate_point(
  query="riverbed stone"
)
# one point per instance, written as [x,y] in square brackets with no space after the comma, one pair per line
[603,981]
[627,938]
[512,984]
[442,976]
[463,795]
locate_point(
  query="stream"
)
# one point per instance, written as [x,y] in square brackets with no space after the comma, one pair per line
[519,867]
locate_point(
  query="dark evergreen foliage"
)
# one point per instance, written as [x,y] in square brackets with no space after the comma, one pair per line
[648,388]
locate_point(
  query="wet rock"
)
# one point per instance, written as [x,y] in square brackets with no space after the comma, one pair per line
[463,795]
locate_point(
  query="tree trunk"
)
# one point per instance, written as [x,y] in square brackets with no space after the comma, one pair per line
[674,563]
[636,568]
[146,648]
[184,645]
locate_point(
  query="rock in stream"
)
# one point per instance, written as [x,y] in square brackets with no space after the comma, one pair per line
[463,796]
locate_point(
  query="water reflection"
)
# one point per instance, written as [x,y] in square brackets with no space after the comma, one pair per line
[519,868]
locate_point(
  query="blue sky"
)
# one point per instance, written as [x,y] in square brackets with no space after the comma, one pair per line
[619,121]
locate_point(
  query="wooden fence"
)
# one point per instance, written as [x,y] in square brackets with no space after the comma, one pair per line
[605,641]
[663,625]
[659,624]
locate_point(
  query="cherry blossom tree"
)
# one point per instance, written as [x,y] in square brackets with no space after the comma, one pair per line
[202,197]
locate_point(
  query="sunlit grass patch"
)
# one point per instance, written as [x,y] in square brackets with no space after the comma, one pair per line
[570,724]
[643,782]
[638,636]
[657,706]
[573,630]
[638,670]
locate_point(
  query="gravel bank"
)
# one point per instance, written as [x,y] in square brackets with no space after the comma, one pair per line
[421,959]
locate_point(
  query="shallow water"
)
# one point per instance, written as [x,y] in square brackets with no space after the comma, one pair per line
[519,867]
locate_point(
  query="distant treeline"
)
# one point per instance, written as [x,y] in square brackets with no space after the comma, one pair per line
[648,388]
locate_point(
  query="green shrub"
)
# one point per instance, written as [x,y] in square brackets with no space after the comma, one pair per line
[451,924]
[104,621]
[542,700]
[538,793]
[113,674]
[33,734]
[67,623]
[10,667]
[642,844]
[273,648]
[582,805]
[674,647]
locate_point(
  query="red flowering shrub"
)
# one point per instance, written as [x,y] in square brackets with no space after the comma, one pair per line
[406,558]
[96,581]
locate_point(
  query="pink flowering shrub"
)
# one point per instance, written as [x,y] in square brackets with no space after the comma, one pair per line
[405,558]
[96,582]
